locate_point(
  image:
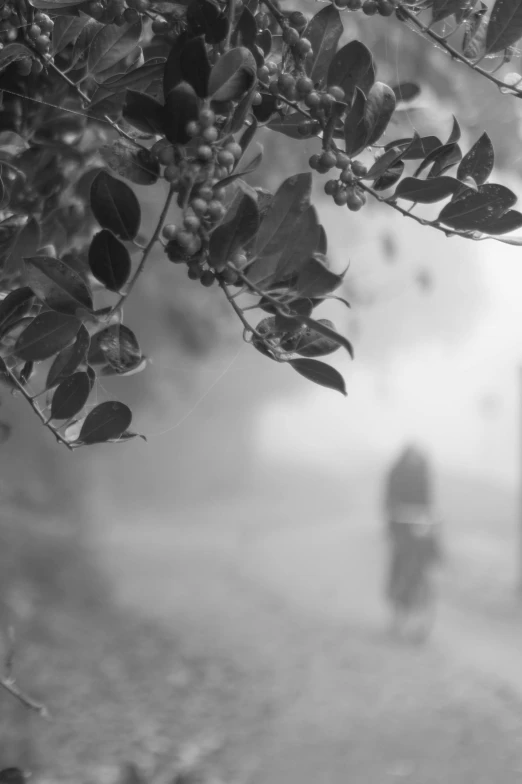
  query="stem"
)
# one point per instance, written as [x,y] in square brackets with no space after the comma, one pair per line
[35,408]
[146,251]
[278,16]
[231,17]
[239,311]
[455,53]
[9,684]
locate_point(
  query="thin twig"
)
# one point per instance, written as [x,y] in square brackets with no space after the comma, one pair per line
[147,250]
[278,16]
[8,681]
[231,15]
[239,311]
[455,53]
[35,408]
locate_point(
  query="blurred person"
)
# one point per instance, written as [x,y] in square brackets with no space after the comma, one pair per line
[413,533]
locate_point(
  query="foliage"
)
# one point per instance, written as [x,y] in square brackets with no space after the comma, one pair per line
[102,96]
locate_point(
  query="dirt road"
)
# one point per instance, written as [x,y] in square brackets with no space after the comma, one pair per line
[299,608]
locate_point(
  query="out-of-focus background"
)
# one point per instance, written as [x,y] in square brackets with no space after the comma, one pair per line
[214,597]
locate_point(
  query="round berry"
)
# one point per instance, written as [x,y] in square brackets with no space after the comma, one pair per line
[341,197]
[355,5]
[298,20]
[354,201]
[303,46]
[328,159]
[229,277]
[263,74]
[313,100]
[200,206]
[46,23]
[305,128]
[194,271]
[342,160]
[347,176]
[43,43]
[219,194]
[225,158]
[210,134]
[160,26]
[235,149]
[34,31]
[331,187]
[239,260]
[131,16]
[24,66]
[171,173]
[206,118]
[193,129]
[37,67]
[169,231]
[96,9]
[262,21]
[290,36]
[207,278]
[166,156]
[326,102]
[215,210]
[304,85]
[337,93]
[286,83]
[139,5]
[359,169]
[191,223]
[257,100]
[385,8]
[206,193]
[205,152]
[313,162]
[272,67]
[369,7]
[273,87]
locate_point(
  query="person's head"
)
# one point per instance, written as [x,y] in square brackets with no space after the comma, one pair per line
[412,454]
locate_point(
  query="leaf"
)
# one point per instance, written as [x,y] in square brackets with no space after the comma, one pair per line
[144,112]
[131,161]
[111,44]
[5,433]
[479,161]
[355,131]
[109,260]
[315,279]
[195,66]
[245,33]
[108,370]
[15,306]
[313,344]
[55,5]
[426,191]
[420,149]
[181,108]
[13,52]
[139,79]
[172,69]
[509,221]
[441,9]
[329,333]
[119,347]
[320,373]
[473,210]
[12,143]
[105,422]
[266,109]
[505,25]
[323,31]
[47,334]
[391,157]
[378,110]
[66,30]
[82,44]
[57,285]
[406,91]
[290,201]
[115,206]
[69,359]
[70,396]
[232,235]
[474,40]
[351,68]
[292,124]
[232,75]
[124,66]
[445,155]
[205,17]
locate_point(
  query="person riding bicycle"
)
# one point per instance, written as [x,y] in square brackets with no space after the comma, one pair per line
[411,528]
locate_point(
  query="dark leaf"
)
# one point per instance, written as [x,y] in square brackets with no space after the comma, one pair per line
[474,40]
[246,29]
[131,161]
[181,108]
[70,396]
[233,75]
[322,245]
[320,373]
[511,220]
[47,334]
[26,372]
[15,306]
[143,112]
[406,91]
[455,132]
[69,359]
[378,110]
[427,191]
[13,52]
[206,18]
[172,70]
[318,326]
[66,30]
[351,68]
[106,103]
[391,157]
[505,25]
[26,243]
[315,279]
[323,31]
[441,9]
[109,260]
[248,135]
[355,131]
[111,44]
[130,62]
[475,210]
[313,344]
[266,109]
[57,285]
[422,147]
[290,201]
[139,79]
[12,775]
[233,234]
[444,156]
[56,5]
[479,161]
[264,40]
[105,422]
[119,347]
[109,370]
[115,206]
[82,44]
[195,66]
[242,110]
[294,125]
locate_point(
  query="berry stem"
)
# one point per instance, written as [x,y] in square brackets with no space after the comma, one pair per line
[278,16]
[239,311]
[231,15]
[146,251]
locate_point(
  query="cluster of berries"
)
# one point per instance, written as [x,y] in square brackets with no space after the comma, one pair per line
[37,35]
[345,189]
[117,12]
[368,7]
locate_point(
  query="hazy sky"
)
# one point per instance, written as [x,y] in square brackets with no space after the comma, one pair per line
[442,367]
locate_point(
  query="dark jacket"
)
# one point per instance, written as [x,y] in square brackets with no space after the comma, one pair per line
[409,482]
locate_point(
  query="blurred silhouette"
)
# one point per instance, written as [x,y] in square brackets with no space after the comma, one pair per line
[414,542]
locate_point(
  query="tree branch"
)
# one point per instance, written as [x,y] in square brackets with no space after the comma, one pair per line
[8,682]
